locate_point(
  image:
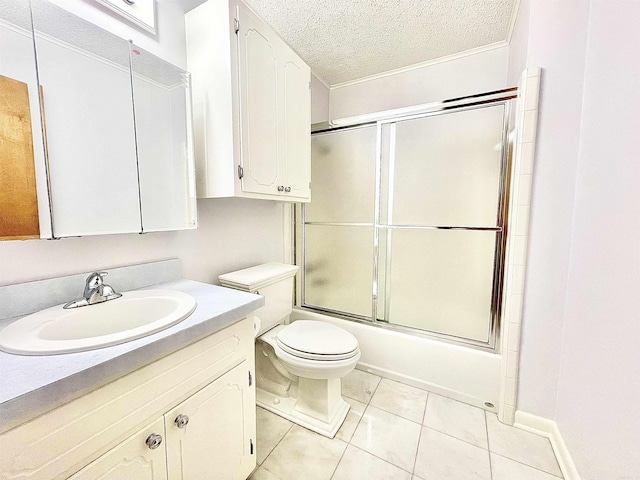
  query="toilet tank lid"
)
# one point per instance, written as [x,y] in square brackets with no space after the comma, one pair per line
[253,278]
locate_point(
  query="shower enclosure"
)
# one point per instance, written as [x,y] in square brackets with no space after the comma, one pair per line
[408,219]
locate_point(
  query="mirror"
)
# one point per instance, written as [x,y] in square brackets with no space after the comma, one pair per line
[24,211]
[97,139]
[88,123]
[162,105]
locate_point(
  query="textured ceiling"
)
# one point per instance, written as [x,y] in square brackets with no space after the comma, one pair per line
[344,40]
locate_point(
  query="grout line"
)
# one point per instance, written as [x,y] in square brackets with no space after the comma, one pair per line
[424,414]
[380,458]
[527,465]
[340,459]
[486,429]
[276,445]
[415,460]
[456,438]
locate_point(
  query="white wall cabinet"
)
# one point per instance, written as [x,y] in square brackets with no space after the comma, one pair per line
[199,400]
[111,131]
[252,106]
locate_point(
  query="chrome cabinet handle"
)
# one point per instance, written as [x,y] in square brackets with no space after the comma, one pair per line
[153,441]
[280,188]
[288,189]
[129,2]
[181,421]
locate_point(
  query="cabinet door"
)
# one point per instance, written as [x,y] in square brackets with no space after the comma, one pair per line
[295,95]
[218,438]
[131,459]
[258,51]
[85,94]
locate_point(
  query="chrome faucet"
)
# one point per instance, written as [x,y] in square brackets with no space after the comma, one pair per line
[95,291]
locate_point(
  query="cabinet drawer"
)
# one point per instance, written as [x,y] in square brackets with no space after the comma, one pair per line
[130,459]
[101,419]
[140,12]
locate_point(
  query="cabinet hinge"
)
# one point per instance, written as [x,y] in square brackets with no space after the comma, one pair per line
[250,446]
[309,185]
[240,172]
[309,85]
[236,25]
[250,379]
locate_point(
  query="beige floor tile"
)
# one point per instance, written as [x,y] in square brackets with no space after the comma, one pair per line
[270,429]
[506,469]
[353,418]
[357,464]
[303,454]
[443,457]
[262,474]
[388,436]
[360,385]
[401,399]
[524,447]
[457,419]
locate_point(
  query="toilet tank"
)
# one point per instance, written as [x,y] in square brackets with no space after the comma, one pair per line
[272,280]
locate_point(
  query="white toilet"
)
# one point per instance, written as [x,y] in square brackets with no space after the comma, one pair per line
[298,366]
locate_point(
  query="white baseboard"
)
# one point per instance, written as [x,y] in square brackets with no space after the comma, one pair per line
[549,428]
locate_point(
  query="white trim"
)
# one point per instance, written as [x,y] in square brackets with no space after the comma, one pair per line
[288,254]
[512,22]
[321,79]
[549,428]
[428,63]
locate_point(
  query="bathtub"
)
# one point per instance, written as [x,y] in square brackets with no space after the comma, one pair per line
[464,374]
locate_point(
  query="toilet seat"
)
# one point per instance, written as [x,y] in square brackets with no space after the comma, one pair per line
[319,341]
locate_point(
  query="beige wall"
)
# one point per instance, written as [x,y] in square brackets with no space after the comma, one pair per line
[477,73]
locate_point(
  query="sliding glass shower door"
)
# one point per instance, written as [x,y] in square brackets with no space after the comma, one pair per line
[407,222]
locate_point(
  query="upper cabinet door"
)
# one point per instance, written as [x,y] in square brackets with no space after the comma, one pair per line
[295,91]
[161,97]
[85,92]
[24,200]
[258,69]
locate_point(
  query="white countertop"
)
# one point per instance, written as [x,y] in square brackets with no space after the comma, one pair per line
[32,385]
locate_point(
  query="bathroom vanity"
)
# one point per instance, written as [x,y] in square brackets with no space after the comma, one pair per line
[176,404]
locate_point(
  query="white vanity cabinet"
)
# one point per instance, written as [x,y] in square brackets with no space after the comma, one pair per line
[252,106]
[186,416]
[131,459]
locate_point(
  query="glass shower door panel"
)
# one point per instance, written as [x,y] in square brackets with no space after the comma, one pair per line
[445,169]
[441,281]
[343,174]
[339,268]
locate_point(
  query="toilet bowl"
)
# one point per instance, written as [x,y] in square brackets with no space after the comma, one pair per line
[299,366]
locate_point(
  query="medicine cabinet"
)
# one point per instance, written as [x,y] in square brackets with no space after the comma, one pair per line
[110,126]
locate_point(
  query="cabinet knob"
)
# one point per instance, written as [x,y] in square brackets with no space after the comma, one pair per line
[280,188]
[288,189]
[181,421]
[153,441]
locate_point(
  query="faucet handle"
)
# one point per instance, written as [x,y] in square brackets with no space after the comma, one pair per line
[94,280]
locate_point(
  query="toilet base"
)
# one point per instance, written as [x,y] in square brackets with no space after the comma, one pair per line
[292,409]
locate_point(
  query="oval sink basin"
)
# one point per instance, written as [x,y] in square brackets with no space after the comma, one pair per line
[134,315]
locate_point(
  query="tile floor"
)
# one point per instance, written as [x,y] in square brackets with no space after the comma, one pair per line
[395,431]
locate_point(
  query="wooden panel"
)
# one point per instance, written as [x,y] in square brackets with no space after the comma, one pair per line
[18,199]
